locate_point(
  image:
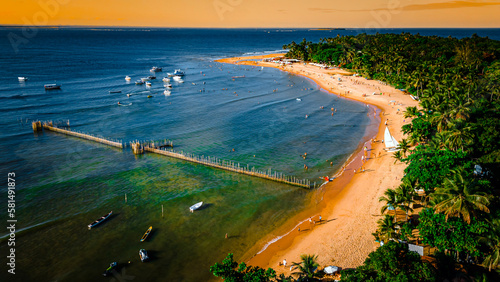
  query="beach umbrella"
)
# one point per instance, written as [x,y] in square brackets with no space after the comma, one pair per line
[330,269]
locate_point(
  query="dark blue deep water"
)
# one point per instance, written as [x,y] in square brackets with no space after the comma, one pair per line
[64,183]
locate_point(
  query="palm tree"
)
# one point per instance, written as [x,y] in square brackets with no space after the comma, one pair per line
[404,146]
[386,228]
[492,240]
[411,112]
[406,192]
[398,156]
[306,268]
[391,199]
[459,197]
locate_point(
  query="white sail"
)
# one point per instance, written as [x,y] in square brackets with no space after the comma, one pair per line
[389,140]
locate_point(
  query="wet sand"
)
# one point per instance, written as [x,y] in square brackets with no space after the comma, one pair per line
[349,204]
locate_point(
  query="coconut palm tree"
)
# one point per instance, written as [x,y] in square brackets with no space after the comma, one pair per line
[404,146]
[411,112]
[459,197]
[391,199]
[306,269]
[406,193]
[398,156]
[492,240]
[386,228]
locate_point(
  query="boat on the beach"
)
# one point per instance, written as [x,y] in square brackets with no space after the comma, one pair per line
[143,255]
[22,78]
[155,69]
[52,86]
[146,234]
[110,268]
[127,78]
[103,218]
[390,142]
[195,206]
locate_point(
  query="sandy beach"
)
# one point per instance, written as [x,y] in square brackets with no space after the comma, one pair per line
[349,208]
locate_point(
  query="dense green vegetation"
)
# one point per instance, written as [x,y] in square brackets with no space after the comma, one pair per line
[454,129]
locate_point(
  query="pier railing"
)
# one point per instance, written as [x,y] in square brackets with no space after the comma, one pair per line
[102,140]
[231,166]
[164,147]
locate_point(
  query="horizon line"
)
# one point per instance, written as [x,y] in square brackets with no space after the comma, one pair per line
[177,27]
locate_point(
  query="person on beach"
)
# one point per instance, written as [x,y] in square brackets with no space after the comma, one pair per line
[319,218]
[284,262]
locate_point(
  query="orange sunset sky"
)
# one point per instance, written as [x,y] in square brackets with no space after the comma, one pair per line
[252,13]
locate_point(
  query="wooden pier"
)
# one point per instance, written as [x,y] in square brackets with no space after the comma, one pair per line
[160,147]
[49,126]
[230,166]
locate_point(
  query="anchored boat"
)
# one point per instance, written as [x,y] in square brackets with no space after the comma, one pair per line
[103,218]
[52,86]
[143,255]
[146,234]
[195,206]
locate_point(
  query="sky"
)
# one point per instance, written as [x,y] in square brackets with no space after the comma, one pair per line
[253,13]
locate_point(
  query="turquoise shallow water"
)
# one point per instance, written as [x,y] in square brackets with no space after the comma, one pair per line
[65,183]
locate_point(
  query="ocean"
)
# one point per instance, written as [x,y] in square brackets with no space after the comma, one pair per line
[64,183]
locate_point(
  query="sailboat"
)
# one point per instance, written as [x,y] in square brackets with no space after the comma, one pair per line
[391,144]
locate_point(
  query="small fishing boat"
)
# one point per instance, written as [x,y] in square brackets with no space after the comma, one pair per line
[146,234]
[239,76]
[166,79]
[298,99]
[103,218]
[127,78]
[110,268]
[155,69]
[22,78]
[195,206]
[167,92]
[150,96]
[179,72]
[143,255]
[168,85]
[144,79]
[148,83]
[177,77]
[152,77]
[118,91]
[52,86]
[139,82]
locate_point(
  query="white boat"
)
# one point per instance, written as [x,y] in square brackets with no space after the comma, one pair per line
[166,79]
[177,77]
[167,92]
[144,79]
[155,69]
[390,142]
[22,78]
[168,85]
[148,83]
[143,255]
[195,206]
[179,72]
[127,78]
[298,99]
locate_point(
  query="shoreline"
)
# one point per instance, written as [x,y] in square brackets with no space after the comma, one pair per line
[349,204]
